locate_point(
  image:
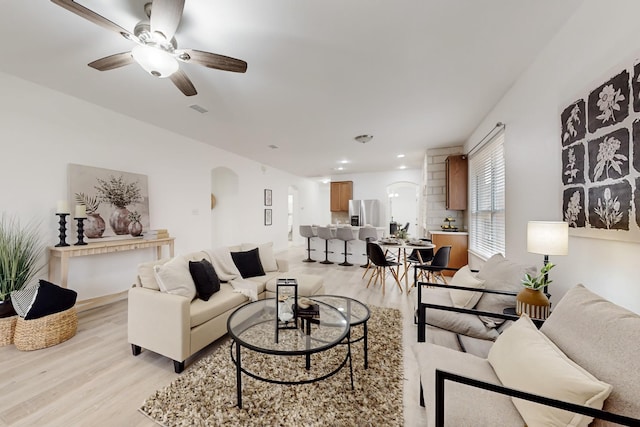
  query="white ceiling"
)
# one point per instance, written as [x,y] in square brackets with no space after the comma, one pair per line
[415,74]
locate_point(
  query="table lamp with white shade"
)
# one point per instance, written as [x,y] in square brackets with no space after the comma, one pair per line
[548,238]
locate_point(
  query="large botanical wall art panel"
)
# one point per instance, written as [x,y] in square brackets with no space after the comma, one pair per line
[117,203]
[600,138]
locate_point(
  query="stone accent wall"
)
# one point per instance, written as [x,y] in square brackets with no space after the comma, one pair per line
[435,191]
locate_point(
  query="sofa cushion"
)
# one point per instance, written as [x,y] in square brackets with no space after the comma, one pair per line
[146,275]
[205,278]
[525,359]
[265,252]
[465,277]
[460,323]
[248,263]
[308,284]
[174,278]
[501,274]
[614,334]
[222,301]
[43,299]
[465,406]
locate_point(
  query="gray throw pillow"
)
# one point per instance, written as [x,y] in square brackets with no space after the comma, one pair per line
[459,323]
[500,274]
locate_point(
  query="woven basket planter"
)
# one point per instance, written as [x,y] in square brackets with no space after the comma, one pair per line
[7,329]
[46,331]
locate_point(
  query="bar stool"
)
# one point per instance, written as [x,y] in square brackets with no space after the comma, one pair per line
[326,234]
[345,234]
[307,231]
[367,234]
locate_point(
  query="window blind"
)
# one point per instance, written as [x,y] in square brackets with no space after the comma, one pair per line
[487,189]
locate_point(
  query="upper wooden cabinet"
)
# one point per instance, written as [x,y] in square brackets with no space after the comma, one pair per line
[341,193]
[456,188]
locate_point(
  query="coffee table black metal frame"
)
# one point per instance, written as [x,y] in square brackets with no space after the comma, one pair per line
[353,319]
[237,343]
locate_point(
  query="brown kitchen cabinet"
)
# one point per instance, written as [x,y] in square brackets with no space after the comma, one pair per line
[341,193]
[456,186]
[459,247]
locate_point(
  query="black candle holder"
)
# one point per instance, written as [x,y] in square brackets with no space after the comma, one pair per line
[80,241]
[63,229]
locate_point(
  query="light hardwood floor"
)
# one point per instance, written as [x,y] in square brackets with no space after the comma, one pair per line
[93,380]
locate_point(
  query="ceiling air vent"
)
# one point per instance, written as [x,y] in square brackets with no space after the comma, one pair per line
[198,108]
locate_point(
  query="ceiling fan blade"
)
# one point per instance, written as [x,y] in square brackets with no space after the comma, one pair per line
[213,60]
[180,79]
[166,16]
[113,61]
[90,15]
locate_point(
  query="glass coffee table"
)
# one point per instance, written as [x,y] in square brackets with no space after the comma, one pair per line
[356,313]
[253,327]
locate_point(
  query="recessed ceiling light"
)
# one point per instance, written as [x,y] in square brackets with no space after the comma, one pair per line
[339,168]
[363,139]
[344,162]
[400,156]
[403,167]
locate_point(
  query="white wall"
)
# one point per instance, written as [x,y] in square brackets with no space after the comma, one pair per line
[374,186]
[41,131]
[598,37]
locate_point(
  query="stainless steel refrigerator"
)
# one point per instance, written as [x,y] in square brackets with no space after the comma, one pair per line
[363,212]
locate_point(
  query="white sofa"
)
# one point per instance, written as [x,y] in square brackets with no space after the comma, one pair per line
[176,326]
[585,353]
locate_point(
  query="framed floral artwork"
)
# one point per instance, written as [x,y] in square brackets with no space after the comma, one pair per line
[600,140]
[267,217]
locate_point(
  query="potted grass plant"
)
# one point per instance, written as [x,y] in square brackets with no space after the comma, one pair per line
[21,250]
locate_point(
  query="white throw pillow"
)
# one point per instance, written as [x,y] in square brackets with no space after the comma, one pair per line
[525,359]
[265,252]
[175,278]
[465,299]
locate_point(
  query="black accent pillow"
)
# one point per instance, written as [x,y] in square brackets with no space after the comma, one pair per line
[205,278]
[248,263]
[51,299]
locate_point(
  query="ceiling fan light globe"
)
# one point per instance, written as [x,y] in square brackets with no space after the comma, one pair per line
[155,61]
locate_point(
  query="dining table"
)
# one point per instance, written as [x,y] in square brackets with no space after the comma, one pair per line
[400,246]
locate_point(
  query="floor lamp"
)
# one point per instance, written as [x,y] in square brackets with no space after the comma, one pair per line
[548,238]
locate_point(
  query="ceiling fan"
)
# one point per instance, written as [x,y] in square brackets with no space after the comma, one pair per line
[156,49]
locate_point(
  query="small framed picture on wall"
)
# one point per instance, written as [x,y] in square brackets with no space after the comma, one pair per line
[267,197]
[267,217]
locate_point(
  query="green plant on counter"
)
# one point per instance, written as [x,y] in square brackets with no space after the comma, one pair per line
[21,250]
[540,281]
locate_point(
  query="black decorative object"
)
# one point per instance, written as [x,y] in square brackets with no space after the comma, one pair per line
[63,229]
[80,241]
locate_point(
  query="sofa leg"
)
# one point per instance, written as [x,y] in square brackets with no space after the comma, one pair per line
[421,395]
[135,349]
[178,367]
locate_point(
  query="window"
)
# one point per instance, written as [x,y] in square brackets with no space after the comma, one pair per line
[487,211]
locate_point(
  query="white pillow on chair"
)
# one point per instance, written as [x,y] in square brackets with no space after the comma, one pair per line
[525,359]
[465,299]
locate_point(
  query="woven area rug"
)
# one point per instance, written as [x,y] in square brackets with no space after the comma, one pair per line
[205,394]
